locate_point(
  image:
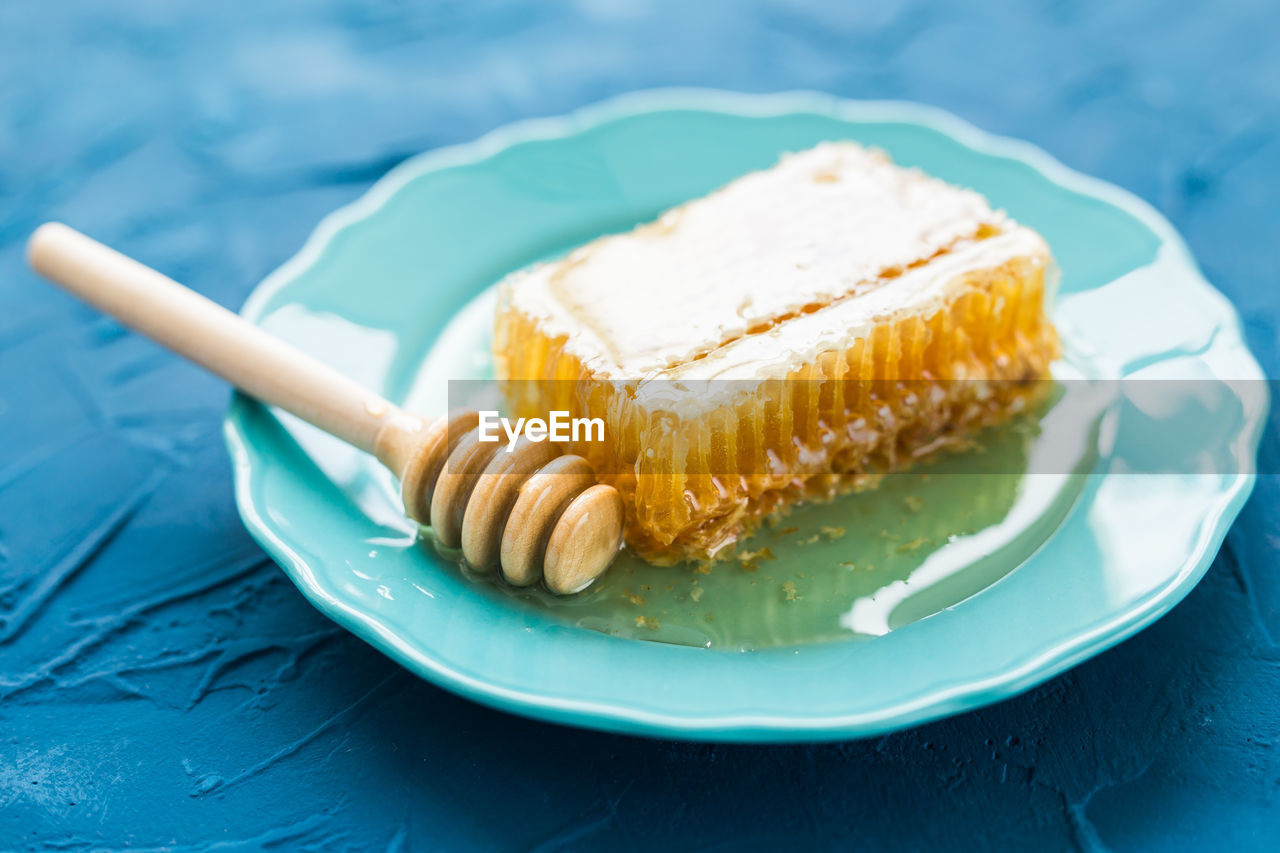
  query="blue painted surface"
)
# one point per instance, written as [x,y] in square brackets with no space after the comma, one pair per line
[163,685]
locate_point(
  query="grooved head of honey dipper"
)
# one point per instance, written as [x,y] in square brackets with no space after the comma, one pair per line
[423,462]
[539,503]
[493,496]
[466,460]
[584,541]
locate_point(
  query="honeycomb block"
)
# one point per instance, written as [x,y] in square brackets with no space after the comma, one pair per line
[784,338]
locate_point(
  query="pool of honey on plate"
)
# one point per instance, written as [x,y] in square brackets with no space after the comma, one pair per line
[859,566]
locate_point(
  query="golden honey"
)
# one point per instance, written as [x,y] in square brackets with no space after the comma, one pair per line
[781,339]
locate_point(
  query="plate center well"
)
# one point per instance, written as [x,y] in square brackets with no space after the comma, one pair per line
[855,568]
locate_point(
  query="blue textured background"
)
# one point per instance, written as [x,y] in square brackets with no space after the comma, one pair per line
[163,685]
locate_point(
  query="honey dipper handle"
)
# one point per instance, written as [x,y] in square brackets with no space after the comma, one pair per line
[209,335]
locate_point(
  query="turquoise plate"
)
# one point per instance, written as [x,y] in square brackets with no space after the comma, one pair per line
[378,288]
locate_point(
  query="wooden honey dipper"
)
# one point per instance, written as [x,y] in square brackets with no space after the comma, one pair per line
[531,512]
